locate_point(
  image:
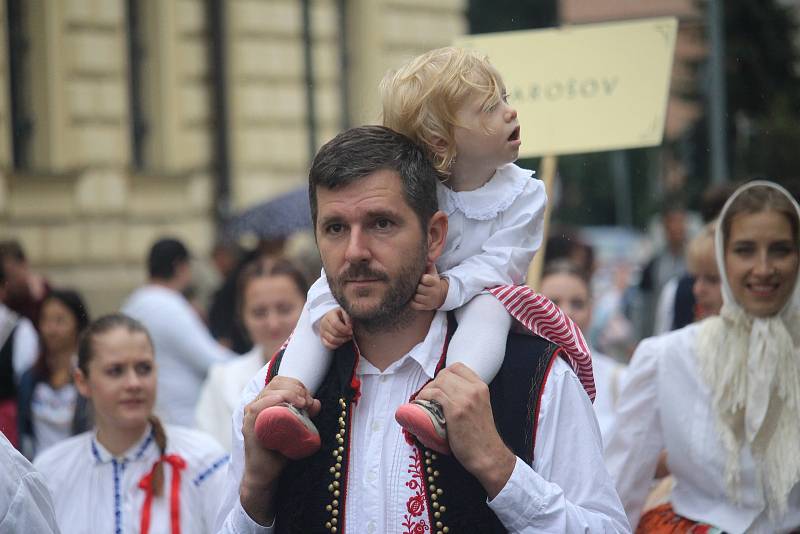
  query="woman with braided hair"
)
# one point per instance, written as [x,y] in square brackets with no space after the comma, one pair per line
[130,474]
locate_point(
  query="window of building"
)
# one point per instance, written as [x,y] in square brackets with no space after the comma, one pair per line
[137,56]
[20,90]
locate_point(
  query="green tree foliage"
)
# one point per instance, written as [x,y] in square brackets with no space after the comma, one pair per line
[763,88]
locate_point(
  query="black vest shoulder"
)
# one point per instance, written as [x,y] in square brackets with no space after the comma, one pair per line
[312,492]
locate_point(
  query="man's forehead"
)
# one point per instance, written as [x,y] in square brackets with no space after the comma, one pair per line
[382,187]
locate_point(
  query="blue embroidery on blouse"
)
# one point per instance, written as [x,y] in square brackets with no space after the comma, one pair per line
[117,500]
[143,447]
[207,473]
[95,452]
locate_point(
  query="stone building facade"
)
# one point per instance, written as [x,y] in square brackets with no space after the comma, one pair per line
[111,112]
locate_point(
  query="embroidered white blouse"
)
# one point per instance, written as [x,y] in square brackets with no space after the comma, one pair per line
[567,489]
[94,492]
[221,393]
[53,411]
[493,233]
[665,404]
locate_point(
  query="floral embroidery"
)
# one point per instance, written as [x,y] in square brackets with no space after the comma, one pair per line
[417,504]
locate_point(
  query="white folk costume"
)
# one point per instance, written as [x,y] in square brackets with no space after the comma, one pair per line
[493,233]
[184,349]
[722,396]
[25,502]
[566,489]
[95,492]
[221,393]
[608,377]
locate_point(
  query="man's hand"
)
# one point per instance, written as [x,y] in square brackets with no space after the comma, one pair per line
[471,431]
[335,329]
[262,467]
[431,291]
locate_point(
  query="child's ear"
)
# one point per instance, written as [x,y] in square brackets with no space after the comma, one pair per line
[439,145]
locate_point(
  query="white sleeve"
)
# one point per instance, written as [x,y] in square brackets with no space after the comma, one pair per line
[633,447]
[567,489]
[192,340]
[231,517]
[506,255]
[30,509]
[25,501]
[211,415]
[25,348]
[209,478]
[665,307]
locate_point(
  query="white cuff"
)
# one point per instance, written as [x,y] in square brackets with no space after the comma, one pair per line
[241,523]
[518,502]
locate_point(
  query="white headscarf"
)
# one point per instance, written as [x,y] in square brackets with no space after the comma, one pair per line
[752,367]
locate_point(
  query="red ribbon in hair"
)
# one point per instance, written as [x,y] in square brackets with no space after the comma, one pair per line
[146,484]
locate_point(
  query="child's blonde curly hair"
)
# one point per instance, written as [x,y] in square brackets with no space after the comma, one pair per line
[421,98]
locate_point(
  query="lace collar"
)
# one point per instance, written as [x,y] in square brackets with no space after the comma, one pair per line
[486,202]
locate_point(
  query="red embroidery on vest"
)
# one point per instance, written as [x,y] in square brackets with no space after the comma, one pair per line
[417,504]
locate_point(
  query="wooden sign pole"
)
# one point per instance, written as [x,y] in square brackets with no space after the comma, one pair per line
[548,168]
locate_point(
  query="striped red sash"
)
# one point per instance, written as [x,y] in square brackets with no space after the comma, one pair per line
[540,316]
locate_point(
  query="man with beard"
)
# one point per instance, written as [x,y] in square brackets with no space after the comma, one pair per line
[377,224]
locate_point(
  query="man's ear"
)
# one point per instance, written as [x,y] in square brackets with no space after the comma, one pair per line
[437,235]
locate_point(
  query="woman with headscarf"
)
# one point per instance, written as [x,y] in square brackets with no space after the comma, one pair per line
[722,396]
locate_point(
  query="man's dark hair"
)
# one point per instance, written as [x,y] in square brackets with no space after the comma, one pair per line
[361,151]
[11,249]
[165,256]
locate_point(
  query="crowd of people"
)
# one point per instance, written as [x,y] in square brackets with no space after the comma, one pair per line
[417,386]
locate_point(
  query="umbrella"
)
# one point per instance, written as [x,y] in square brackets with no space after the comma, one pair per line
[276,218]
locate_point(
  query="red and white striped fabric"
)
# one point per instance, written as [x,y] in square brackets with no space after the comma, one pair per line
[542,317]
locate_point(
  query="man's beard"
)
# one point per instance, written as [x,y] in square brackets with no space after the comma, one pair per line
[393,311]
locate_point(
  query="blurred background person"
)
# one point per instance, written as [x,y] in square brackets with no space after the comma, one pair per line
[568,287]
[668,263]
[676,304]
[25,289]
[49,406]
[184,349]
[19,348]
[272,292]
[722,396]
[701,258]
[130,474]
[695,295]
[228,259]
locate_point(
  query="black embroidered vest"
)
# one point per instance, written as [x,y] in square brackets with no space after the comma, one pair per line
[312,492]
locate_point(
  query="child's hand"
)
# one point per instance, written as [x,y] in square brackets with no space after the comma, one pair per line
[335,329]
[431,291]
